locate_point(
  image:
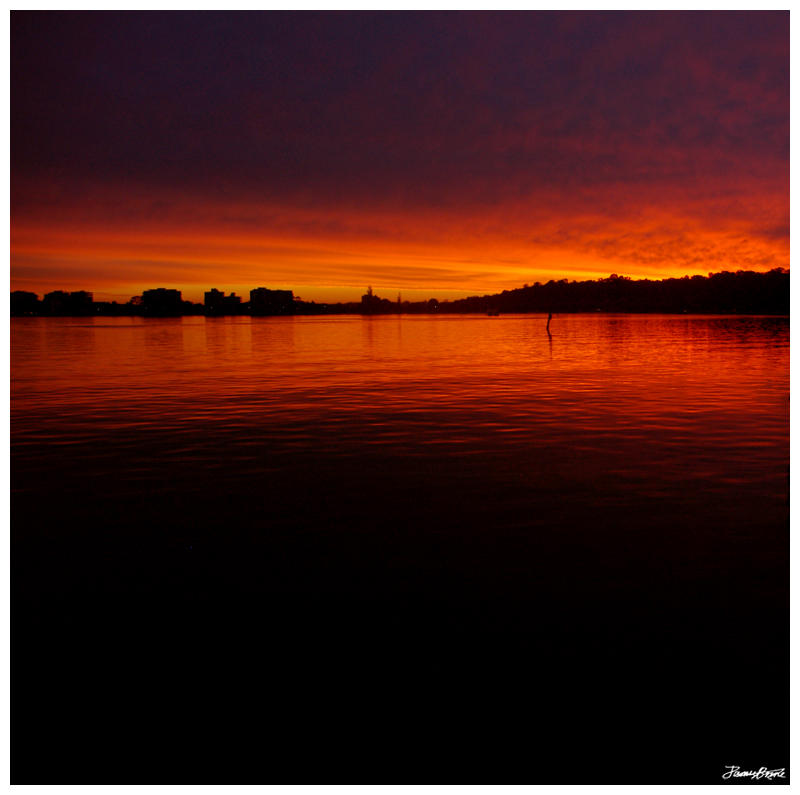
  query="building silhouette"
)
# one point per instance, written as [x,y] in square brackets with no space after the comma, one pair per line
[372,305]
[217,303]
[162,302]
[24,303]
[59,302]
[271,302]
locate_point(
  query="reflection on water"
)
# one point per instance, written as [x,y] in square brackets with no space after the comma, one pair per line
[457,514]
[676,395]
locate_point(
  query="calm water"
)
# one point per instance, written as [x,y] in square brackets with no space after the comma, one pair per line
[464,503]
[650,401]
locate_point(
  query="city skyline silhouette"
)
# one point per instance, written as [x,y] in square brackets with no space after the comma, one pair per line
[742,292]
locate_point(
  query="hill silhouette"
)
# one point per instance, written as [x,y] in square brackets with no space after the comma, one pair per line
[742,292]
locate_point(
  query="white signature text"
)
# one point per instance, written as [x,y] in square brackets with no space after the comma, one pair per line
[734,771]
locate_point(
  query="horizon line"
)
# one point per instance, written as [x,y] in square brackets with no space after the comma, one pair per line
[526,285]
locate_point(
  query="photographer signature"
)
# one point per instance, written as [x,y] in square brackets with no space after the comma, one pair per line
[734,771]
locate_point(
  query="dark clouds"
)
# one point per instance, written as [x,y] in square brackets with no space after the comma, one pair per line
[618,136]
[438,107]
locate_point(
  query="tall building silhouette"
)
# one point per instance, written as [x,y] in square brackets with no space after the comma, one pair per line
[162,302]
[60,302]
[271,302]
[217,303]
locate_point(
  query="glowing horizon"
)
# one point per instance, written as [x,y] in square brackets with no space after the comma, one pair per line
[424,163]
[450,260]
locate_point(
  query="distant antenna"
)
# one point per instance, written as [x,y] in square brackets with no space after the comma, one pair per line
[369,290]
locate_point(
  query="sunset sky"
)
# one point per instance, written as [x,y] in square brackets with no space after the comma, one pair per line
[432,154]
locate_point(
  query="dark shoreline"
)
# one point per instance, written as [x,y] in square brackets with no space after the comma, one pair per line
[724,293]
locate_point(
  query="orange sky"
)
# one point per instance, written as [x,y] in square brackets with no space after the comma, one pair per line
[329,254]
[432,155]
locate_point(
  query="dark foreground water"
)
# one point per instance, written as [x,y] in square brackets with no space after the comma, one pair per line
[399,550]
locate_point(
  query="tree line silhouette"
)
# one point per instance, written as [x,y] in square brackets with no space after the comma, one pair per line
[740,292]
